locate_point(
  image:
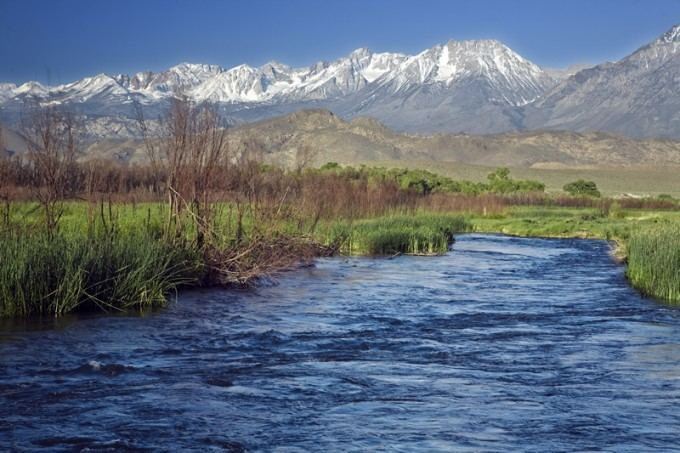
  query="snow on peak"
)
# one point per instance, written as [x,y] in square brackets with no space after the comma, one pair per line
[276,81]
[238,84]
[361,52]
[31,88]
[7,91]
[517,79]
[242,68]
[672,35]
[196,68]
[275,66]
[656,53]
[90,87]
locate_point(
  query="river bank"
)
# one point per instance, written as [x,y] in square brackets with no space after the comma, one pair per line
[123,260]
[120,259]
[646,241]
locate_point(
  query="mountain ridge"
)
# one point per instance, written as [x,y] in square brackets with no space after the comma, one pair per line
[470,86]
[636,95]
[357,84]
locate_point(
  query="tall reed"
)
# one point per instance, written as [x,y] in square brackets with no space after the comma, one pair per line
[420,233]
[47,276]
[654,261]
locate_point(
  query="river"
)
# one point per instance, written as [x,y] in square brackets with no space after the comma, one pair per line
[504,344]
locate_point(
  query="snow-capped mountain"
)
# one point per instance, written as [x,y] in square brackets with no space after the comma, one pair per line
[276,82]
[461,86]
[517,80]
[27,89]
[362,82]
[479,86]
[6,91]
[177,78]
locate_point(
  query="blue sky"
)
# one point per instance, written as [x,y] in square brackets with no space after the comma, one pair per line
[63,40]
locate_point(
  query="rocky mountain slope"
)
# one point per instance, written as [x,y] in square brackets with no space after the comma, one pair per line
[330,138]
[637,96]
[326,137]
[468,86]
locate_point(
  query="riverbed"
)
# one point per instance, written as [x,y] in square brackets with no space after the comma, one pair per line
[503,344]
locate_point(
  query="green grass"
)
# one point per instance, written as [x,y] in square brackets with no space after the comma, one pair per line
[110,258]
[654,261]
[421,234]
[102,258]
[530,221]
[52,277]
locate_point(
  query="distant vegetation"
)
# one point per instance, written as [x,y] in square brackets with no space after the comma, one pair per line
[582,188]
[426,182]
[642,181]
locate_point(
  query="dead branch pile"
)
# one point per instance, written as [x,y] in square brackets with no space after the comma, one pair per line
[260,258]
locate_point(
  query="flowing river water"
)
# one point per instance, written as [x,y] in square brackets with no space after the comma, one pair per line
[504,344]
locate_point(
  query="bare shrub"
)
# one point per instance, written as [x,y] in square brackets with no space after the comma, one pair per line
[52,148]
[186,157]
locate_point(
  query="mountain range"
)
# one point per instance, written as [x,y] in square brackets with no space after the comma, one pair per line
[475,87]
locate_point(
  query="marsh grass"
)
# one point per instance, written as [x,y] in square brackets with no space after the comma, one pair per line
[654,261]
[418,234]
[572,222]
[41,276]
[116,258]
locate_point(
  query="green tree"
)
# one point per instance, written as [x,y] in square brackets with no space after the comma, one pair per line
[581,188]
[501,182]
[330,166]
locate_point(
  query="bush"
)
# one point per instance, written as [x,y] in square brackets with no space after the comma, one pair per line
[582,188]
[426,182]
[501,182]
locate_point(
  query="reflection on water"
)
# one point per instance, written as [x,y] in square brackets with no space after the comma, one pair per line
[504,344]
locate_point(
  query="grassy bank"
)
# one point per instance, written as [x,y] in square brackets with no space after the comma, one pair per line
[654,261]
[75,272]
[421,234]
[538,221]
[116,258]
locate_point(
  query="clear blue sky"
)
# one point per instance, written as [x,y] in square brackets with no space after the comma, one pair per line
[63,40]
